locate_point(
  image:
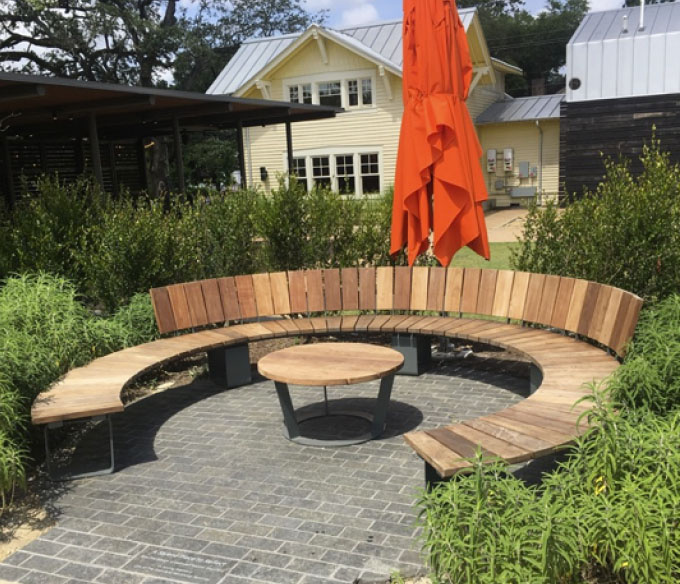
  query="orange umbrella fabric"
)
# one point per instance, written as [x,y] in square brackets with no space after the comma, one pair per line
[439,184]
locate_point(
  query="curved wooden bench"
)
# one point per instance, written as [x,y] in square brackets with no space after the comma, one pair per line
[572,330]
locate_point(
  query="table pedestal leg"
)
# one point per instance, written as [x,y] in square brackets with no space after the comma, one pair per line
[292,428]
[381,406]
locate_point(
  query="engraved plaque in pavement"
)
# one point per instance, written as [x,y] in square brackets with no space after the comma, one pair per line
[187,567]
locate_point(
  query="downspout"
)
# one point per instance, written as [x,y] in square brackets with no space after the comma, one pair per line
[540,162]
[250,158]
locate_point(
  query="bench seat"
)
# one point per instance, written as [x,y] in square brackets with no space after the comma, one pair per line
[572,331]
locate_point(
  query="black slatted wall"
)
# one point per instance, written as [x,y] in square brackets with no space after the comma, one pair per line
[593,130]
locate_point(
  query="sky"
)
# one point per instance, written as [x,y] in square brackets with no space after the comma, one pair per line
[356,12]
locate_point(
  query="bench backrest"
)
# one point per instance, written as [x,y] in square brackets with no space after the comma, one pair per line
[603,313]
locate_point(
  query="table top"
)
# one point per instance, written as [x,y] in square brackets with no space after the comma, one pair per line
[330,363]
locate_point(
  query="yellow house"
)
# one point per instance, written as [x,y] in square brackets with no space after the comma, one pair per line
[359,69]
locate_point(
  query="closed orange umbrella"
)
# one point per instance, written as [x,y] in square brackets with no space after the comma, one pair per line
[439,185]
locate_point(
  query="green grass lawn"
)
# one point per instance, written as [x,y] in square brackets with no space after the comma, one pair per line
[500,257]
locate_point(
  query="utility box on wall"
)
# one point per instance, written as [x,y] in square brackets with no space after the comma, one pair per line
[508,160]
[491,160]
[524,170]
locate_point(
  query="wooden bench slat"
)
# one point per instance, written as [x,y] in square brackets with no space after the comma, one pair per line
[468,300]
[384,288]
[350,289]
[419,283]
[436,289]
[280,293]
[364,322]
[445,462]
[402,288]
[487,292]
[180,306]
[504,418]
[578,296]
[229,297]
[547,306]
[213,301]
[334,323]
[534,295]
[264,301]
[348,323]
[513,437]
[505,450]
[297,291]
[562,300]
[315,293]
[518,296]
[162,307]
[367,288]
[246,296]
[196,303]
[501,299]
[588,308]
[457,443]
[626,321]
[454,289]
[331,285]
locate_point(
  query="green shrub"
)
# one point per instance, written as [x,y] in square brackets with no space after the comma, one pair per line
[44,332]
[626,233]
[47,228]
[227,242]
[136,246]
[372,235]
[608,514]
[650,375]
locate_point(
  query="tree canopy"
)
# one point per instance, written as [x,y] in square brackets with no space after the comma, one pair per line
[536,43]
[137,42]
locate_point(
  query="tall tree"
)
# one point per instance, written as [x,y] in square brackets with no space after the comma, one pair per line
[536,44]
[218,28]
[118,41]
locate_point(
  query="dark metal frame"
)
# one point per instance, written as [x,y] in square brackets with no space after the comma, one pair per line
[377,418]
[68,477]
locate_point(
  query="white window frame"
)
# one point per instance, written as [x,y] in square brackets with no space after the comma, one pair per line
[332,152]
[343,77]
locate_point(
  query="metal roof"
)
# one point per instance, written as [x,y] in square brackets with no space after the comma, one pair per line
[522,109]
[380,41]
[31,104]
[611,56]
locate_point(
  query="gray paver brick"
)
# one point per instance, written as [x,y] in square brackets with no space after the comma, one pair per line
[214,491]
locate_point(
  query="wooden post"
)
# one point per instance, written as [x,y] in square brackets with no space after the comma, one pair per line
[141,165]
[9,180]
[94,149]
[241,154]
[179,160]
[289,147]
[114,172]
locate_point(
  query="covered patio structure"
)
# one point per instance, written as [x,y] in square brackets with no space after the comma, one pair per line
[52,125]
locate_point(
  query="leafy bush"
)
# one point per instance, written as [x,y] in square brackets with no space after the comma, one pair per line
[135,246]
[44,332]
[46,229]
[650,376]
[626,233]
[608,514]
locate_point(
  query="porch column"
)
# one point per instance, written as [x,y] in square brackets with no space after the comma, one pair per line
[94,149]
[179,159]
[241,154]
[289,147]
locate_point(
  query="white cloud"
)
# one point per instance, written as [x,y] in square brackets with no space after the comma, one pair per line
[361,14]
[316,5]
[599,5]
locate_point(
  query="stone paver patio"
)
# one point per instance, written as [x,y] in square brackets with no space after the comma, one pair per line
[207,490]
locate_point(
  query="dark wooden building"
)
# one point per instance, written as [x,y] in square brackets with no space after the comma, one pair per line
[593,131]
[623,79]
[51,125]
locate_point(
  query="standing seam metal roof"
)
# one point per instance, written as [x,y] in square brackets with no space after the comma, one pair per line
[522,109]
[383,39]
[610,62]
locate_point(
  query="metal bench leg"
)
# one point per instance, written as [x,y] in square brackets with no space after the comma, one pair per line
[432,478]
[230,366]
[381,406]
[417,352]
[69,477]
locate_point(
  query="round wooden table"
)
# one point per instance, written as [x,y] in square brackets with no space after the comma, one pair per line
[324,364]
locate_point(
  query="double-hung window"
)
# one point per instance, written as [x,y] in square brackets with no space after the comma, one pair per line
[321,171]
[348,173]
[370,173]
[300,93]
[344,171]
[350,92]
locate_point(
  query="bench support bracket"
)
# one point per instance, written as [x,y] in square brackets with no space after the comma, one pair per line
[230,366]
[432,478]
[417,352]
[68,477]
